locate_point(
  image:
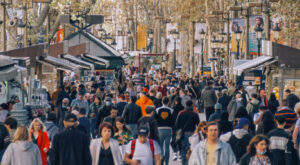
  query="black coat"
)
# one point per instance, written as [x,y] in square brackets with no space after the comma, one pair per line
[132,113]
[224,100]
[70,147]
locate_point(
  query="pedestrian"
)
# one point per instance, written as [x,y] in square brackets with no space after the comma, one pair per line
[289,115]
[258,152]
[273,103]
[143,102]
[296,132]
[209,98]
[216,116]
[62,110]
[212,150]
[158,100]
[184,97]
[231,88]
[291,98]
[234,105]
[105,150]
[253,106]
[51,128]
[225,125]
[186,123]
[262,98]
[3,112]
[71,146]
[143,150]
[93,113]
[11,125]
[224,100]
[281,144]
[38,135]
[112,117]
[165,121]
[104,111]
[267,123]
[61,95]
[257,117]
[80,102]
[121,105]
[239,138]
[123,134]
[149,122]
[84,122]
[250,89]
[22,151]
[199,134]
[131,114]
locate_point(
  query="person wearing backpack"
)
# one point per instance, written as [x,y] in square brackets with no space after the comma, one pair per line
[253,106]
[149,122]
[239,138]
[143,150]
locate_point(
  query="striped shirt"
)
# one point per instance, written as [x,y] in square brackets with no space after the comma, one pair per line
[289,115]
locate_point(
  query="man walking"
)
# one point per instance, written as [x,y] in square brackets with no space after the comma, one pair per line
[165,121]
[70,147]
[209,98]
[212,151]
[131,114]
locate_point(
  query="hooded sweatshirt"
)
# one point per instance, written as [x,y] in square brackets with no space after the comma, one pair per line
[143,102]
[22,153]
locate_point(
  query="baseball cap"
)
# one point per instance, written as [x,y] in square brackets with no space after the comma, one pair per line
[218,106]
[71,118]
[242,122]
[143,131]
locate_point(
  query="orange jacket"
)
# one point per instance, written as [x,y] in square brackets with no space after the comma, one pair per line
[43,142]
[143,102]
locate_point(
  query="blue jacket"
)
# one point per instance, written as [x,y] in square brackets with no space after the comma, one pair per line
[224,154]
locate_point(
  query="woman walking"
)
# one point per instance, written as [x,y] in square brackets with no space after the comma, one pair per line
[22,151]
[105,150]
[257,152]
[39,136]
[123,134]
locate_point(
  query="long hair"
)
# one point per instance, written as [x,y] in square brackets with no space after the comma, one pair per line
[121,120]
[21,134]
[268,122]
[37,120]
[254,141]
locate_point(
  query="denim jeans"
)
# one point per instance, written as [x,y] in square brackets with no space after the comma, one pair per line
[133,129]
[184,147]
[165,138]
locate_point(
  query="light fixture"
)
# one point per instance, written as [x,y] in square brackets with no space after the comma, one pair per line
[150,33]
[202,34]
[258,31]
[238,33]
[276,30]
[174,33]
[129,33]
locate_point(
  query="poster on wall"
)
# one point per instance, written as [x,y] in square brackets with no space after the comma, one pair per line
[239,22]
[253,23]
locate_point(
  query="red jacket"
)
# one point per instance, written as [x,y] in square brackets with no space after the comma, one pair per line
[43,142]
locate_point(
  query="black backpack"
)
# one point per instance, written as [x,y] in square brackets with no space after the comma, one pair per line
[239,146]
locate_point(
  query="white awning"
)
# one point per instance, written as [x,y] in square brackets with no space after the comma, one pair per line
[78,60]
[106,62]
[251,64]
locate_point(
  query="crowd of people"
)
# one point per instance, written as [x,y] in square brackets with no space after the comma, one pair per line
[143,117]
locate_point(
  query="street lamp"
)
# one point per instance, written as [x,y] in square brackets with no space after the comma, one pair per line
[258,31]
[202,36]
[129,37]
[4,3]
[175,35]
[109,39]
[276,30]
[238,34]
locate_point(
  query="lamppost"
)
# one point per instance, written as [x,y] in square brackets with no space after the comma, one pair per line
[129,39]
[175,35]
[4,3]
[202,36]
[150,35]
[276,30]
[238,34]
[258,31]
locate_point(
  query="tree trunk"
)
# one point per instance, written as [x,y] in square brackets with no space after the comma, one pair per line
[191,48]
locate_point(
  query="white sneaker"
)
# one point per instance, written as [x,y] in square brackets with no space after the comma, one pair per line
[179,159]
[174,158]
